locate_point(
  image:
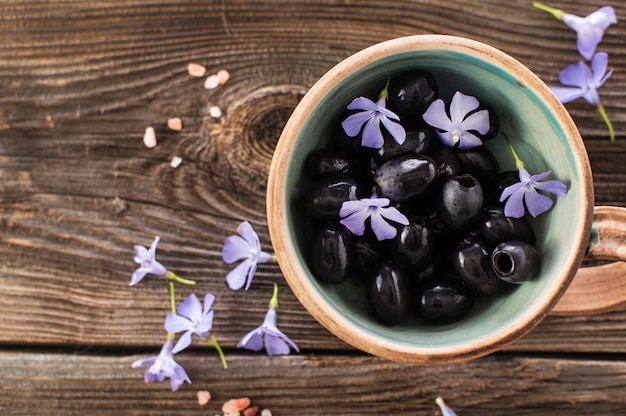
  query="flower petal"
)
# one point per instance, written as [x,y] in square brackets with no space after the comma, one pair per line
[237,277]
[349,207]
[355,222]
[392,213]
[138,276]
[209,298]
[599,63]
[588,38]
[235,248]
[436,116]
[510,190]
[253,340]
[183,342]
[567,94]
[469,140]
[382,229]
[576,75]
[141,254]
[537,203]
[250,277]
[248,234]
[602,18]
[372,137]
[446,138]
[353,124]
[176,323]
[395,129]
[275,345]
[514,207]
[478,121]
[362,103]
[554,187]
[191,308]
[461,105]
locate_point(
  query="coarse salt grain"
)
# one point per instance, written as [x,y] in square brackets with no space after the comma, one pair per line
[175,123]
[235,405]
[196,70]
[176,161]
[222,76]
[215,112]
[251,411]
[266,412]
[149,138]
[203,397]
[211,82]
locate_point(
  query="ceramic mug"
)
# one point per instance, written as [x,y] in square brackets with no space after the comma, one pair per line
[545,138]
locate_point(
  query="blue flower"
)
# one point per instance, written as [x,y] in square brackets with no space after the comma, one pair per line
[370,118]
[525,193]
[147,263]
[445,410]
[589,30]
[458,129]
[354,214]
[190,318]
[583,82]
[268,335]
[248,248]
[163,366]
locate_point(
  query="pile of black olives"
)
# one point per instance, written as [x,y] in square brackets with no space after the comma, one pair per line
[458,245]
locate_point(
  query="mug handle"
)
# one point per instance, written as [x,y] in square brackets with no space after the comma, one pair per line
[599,289]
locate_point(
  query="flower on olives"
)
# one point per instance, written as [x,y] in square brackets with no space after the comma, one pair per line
[326,196]
[515,261]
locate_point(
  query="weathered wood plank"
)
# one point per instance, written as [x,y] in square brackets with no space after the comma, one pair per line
[81,80]
[35,383]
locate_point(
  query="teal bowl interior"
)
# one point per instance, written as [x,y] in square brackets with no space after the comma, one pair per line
[543,136]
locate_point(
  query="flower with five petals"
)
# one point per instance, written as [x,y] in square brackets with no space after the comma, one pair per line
[163,366]
[268,335]
[247,247]
[190,318]
[370,118]
[589,30]
[354,214]
[459,129]
[146,258]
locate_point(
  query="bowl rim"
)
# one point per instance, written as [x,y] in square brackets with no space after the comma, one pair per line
[277,204]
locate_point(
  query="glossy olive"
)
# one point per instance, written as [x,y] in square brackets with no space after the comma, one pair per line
[496,228]
[472,264]
[331,253]
[413,244]
[389,293]
[326,196]
[325,162]
[404,177]
[443,300]
[515,261]
[461,201]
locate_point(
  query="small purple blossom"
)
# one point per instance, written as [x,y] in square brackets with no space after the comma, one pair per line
[268,335]
[525,193]
[369,119]
[589,30]
[146,258]
[459,128]
[354,214]
[190,318]
[582,81]
[445,410]
[246,247]
[163,366]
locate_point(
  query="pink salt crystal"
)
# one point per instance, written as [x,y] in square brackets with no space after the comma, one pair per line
[211,82]
[266,412]
[235,405]
[175,123]
[149,138]
[203,397]
[222,76]
[196,70]
[215,112]
[176,161]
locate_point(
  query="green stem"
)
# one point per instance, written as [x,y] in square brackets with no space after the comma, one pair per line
[557,13]
[172,298]
[607,121]
[518,161]
[274,300]
[385,91]
[213,342]
[171,276]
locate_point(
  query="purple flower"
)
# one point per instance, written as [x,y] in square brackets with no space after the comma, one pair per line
[445,410]
[589,30]
[370,118]
[147,263]
[525,193]
[458,129]
[163,366]
[354,214]
[583,82]
[248,248]
[268,335]
[190,318]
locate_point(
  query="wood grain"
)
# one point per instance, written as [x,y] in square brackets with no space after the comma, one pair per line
[293,385]
[79,83]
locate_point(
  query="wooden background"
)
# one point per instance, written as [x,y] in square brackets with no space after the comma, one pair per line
[79,83]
